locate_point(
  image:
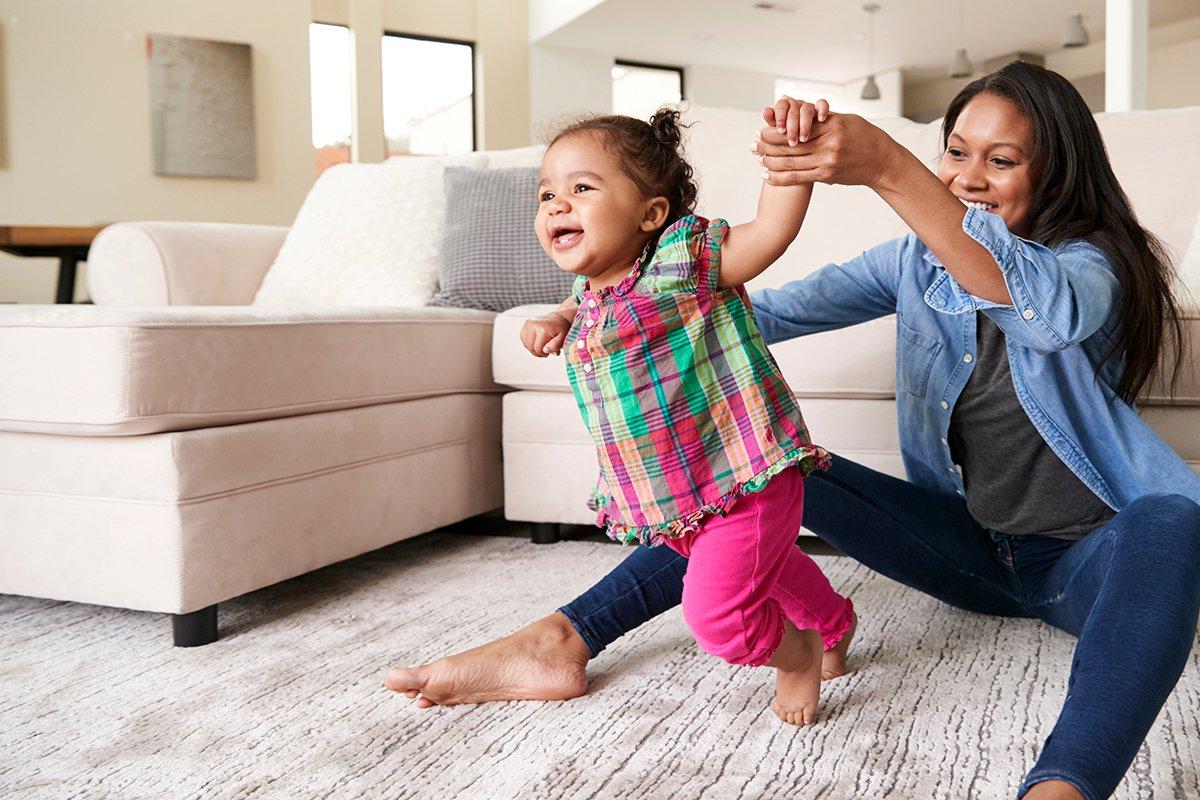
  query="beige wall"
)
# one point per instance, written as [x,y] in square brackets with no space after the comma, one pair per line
[74,108]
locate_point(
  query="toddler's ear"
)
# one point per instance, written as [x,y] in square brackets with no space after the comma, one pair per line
[655,213]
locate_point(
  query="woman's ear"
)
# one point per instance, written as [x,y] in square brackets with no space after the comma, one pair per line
[655,214]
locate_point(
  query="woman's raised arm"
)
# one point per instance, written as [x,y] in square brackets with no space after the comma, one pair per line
[847,149]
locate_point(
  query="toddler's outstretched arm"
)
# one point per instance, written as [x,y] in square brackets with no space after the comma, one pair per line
[753,246]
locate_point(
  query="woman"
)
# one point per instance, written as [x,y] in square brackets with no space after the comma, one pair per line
[1031,308]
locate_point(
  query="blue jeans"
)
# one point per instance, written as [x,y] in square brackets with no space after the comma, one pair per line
[1130,591]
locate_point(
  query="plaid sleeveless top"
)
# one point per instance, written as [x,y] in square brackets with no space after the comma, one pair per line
[686,406]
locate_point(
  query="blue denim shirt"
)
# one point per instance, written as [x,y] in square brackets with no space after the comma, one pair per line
[1062,318]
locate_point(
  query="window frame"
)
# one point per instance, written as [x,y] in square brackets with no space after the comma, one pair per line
[474,67]
[625,62]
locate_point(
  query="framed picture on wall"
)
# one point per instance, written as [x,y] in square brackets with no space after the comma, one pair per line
[201,107]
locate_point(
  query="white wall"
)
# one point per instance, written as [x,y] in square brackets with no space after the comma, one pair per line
[728,88]
[75,120]
[1174,75]
[564,83]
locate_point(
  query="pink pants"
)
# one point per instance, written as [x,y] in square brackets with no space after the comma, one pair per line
[745,575]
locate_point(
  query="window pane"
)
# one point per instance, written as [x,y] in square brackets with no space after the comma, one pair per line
[329,76]
[639,91]
[428,105]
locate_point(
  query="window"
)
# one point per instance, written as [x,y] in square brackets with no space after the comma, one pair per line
[330,79]
[639,89]
[428,95]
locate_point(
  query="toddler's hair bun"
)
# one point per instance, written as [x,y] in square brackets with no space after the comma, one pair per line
[667,128]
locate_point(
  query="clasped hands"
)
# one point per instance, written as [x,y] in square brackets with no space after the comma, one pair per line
[806,143]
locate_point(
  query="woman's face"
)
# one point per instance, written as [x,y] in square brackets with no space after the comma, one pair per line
[989,160]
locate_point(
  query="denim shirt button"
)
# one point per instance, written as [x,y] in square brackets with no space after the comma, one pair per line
[944,440]
[967,358]
[1027,313]
[945,405]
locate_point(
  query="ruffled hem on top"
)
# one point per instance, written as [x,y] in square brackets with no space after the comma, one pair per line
[806,459]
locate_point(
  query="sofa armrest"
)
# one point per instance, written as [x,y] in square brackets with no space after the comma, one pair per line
[180,263]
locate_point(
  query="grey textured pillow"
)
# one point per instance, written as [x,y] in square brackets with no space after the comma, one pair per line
[491,258]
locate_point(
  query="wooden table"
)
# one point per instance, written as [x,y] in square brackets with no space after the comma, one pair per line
[68,244]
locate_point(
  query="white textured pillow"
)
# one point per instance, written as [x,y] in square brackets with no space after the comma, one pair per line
[367,235]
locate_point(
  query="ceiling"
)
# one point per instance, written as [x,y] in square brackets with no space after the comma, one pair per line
[826,39]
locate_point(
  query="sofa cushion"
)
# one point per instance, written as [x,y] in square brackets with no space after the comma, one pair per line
[177,521]
[491,258]
[116,371]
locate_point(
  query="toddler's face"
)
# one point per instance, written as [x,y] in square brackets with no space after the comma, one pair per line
[592,219]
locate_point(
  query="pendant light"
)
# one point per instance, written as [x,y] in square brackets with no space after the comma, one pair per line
[1075,35]
[870,90]
[961,67]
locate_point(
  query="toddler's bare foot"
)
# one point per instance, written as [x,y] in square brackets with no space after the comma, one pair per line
[545,660]
[797,665]
[833,663]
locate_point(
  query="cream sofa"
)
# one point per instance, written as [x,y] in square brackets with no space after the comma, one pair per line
[845,378]
[158,452]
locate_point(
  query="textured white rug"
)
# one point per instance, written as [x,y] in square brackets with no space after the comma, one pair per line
[95,703]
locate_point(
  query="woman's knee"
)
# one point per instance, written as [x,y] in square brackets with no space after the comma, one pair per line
[1163,526]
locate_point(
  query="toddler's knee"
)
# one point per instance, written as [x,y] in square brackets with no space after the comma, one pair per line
[744,640]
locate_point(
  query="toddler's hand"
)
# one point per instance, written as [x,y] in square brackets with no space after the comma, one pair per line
[544,336]
[795,117]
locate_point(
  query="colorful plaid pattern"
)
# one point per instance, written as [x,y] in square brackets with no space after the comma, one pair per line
[686,406]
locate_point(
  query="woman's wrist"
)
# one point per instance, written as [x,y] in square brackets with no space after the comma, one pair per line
[896,165]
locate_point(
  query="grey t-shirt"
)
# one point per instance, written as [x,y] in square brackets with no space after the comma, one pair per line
[1014,482]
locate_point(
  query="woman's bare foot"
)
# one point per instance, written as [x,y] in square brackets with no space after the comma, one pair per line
[797,664]
[545,660]
[1053,790]
[833,662]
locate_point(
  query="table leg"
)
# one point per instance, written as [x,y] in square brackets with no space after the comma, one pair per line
[68,260]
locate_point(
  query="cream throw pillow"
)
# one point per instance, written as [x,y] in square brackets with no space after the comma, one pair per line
[366,235]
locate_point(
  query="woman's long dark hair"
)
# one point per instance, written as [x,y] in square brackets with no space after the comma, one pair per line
[1078,197]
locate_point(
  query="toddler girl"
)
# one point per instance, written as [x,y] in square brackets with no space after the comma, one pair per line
[700,442]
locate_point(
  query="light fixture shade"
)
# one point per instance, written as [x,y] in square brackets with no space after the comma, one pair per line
[1075,35]
[961,67]
[870,90]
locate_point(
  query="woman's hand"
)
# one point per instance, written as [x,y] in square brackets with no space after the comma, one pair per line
[794,118]
[544,336]
[844,148]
